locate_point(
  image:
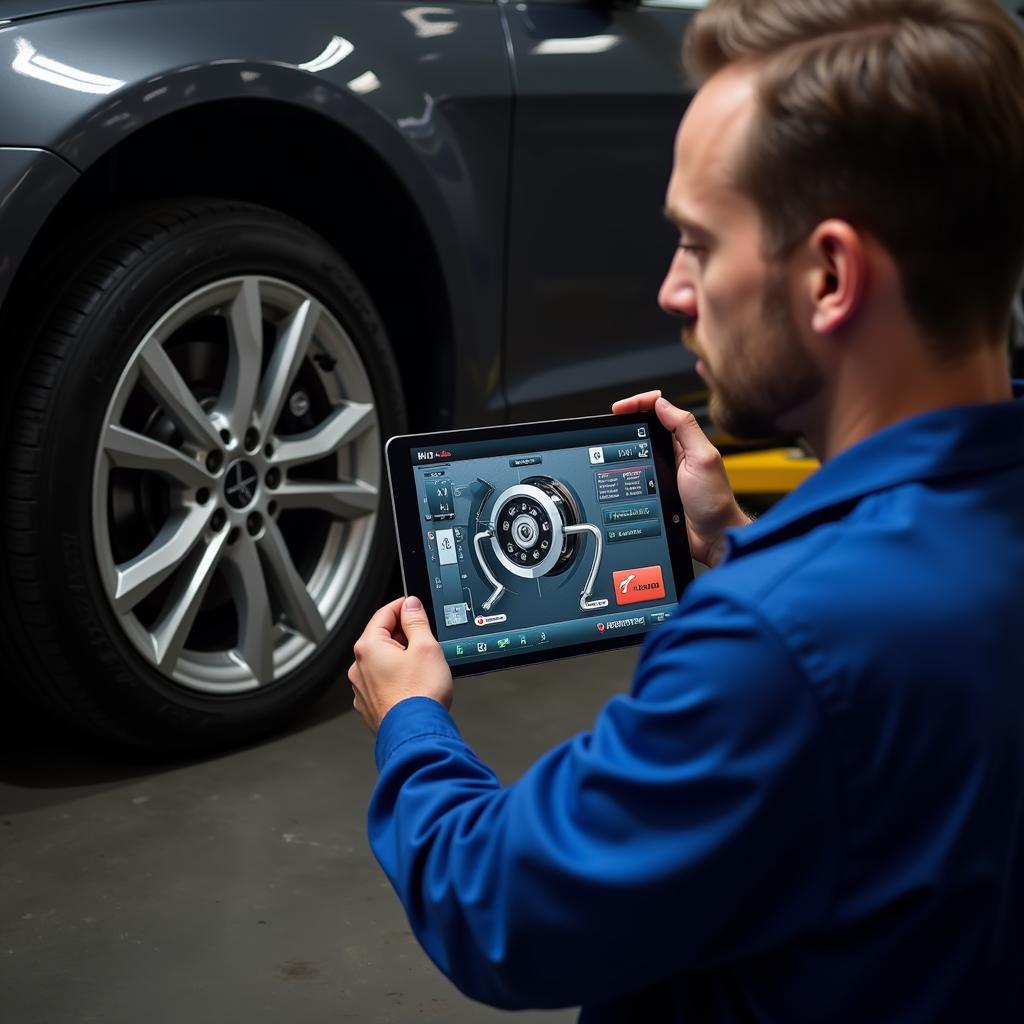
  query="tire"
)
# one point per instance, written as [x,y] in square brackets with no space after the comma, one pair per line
[196,520]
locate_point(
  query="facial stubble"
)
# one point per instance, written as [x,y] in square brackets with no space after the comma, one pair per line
[763,371]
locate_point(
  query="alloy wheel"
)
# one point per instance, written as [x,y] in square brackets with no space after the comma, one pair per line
[237,484]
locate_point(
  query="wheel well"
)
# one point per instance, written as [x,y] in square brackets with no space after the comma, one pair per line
[296,162]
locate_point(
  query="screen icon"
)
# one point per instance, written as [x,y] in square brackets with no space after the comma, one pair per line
[633,585]
[489,620]
[447,555]
[455,614]
[503,643]
[596,456]
[481,648]
[459,649]
[641,431]
[439,499]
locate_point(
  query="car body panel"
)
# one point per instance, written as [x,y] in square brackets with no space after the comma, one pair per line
[32,182]
[599,94]
[431,97]
[15,10]
[534,139]
[536,283]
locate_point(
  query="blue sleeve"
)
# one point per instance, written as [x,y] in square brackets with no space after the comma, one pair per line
[695,824]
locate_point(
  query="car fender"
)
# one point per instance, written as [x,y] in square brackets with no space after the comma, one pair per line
[429,94]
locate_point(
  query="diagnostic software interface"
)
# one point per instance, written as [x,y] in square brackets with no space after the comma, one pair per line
[543,541]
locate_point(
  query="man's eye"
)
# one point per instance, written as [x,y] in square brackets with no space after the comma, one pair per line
[693,250]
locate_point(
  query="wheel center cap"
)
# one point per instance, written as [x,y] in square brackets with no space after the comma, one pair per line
[525,531]
[240,484]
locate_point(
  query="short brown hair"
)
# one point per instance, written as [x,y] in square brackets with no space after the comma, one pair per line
[904,117]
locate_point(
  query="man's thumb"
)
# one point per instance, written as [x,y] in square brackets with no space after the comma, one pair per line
[683,424]
[414,618]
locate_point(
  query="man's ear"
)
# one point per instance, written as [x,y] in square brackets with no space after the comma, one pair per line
[837,276]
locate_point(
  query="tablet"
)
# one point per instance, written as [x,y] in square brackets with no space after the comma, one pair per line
[534,541]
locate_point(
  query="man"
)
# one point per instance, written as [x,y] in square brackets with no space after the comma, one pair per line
[811,805]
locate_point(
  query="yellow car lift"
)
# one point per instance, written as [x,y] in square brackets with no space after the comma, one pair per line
[776,471]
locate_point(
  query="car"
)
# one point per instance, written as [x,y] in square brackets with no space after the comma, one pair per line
[245,242]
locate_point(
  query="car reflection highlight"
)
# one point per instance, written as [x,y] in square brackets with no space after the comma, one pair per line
[31,63]
[334,53]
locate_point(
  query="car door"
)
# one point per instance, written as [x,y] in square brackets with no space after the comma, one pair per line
[599,93]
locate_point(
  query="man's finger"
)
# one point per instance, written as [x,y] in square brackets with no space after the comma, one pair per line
[684,426]
[636,403]
[384,621]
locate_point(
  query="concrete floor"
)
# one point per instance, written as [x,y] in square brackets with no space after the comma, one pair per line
[239,888]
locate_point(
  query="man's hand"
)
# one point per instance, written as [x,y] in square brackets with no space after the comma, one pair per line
[397,657]
[710,506]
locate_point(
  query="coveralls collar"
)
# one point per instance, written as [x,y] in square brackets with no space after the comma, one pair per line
[944,443]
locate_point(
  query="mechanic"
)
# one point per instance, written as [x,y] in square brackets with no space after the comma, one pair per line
[810,806]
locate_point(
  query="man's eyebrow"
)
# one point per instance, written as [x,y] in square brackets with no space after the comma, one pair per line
[683,223]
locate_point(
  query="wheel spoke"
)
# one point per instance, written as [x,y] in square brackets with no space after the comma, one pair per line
[341,500]
[299,607]
[129,450]
[140,576]
[342,427]
[168,387]
[244,573]
[171,632]
[245,357]
[284,364]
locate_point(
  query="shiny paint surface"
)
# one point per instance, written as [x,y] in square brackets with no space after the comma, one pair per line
[555,266]
[32,182]
[600,92]
[16,9]
[438,118]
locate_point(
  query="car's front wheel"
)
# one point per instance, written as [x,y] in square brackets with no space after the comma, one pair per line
[196,518]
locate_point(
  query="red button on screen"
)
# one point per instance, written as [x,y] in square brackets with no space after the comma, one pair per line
[632,585]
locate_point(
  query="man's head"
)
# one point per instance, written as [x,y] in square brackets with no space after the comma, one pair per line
[833,139]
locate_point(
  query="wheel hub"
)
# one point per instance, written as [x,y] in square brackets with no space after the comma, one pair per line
[241,484]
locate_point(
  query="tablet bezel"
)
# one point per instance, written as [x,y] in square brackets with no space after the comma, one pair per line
[409,530]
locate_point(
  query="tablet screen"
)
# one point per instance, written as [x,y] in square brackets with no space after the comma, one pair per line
[543,542]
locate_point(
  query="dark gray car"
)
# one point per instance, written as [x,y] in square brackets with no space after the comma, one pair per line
[243,242]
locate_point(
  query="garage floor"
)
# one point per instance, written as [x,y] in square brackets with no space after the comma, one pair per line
[239,888]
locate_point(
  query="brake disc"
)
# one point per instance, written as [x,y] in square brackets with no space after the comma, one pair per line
[536,530]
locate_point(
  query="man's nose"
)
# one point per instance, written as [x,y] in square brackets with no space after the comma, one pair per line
[677,295]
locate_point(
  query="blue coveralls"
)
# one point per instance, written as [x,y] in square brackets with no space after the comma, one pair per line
[810,807]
